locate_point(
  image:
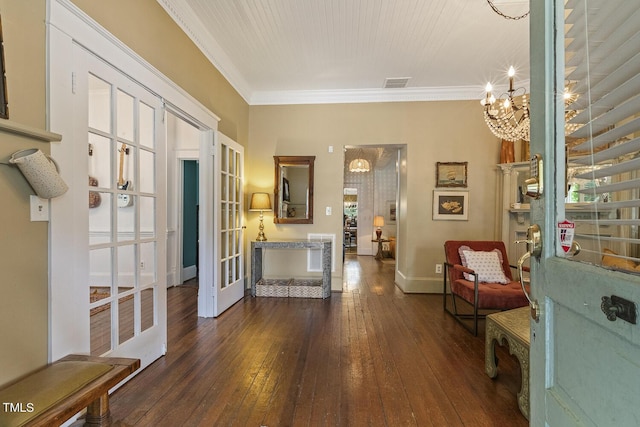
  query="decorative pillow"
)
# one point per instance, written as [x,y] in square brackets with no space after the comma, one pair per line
[614,261]
[487,266]
[463,248]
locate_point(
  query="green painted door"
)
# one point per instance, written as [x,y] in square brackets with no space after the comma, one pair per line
[585,365]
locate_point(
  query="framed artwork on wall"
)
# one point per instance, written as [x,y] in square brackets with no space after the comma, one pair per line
[390,211]
[450,205]
[451,174]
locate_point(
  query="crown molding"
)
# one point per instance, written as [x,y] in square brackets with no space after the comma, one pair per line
[188,21]
[344,96]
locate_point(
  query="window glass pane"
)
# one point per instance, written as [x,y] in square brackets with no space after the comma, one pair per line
[124,108]
[223,187]
[100,218]
[126,267]
[100,277]
[147,172]
[223,216]
[125,318]
[126,217]
[147,263]
[147,217]
[99,110]
[223,158]
[223,245]
[100,161]
[223,274]
[148,317]
[126,169]
[100,329]
[146,118]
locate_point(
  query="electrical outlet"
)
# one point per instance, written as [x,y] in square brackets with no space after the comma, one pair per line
[141,265]
[331,148]
[438,268]
[328,210]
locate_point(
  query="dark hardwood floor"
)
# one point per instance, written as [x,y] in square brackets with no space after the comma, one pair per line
[370,356]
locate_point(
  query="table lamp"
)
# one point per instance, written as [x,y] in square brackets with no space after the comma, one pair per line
[260,202]
[378,221]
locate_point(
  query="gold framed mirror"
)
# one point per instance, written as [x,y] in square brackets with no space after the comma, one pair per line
[293,192]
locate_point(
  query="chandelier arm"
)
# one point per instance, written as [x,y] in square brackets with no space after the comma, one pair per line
[496,10]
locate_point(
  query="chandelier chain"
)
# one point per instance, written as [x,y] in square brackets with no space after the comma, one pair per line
[496,10]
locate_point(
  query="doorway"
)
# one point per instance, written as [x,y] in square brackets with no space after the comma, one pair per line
[190,210]
[371,197]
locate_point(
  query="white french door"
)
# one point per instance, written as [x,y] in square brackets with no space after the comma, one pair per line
[585,346]
[108,237]
[229,286]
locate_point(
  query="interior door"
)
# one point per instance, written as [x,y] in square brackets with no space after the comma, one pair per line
[585,344]
[229,288]
[127,221]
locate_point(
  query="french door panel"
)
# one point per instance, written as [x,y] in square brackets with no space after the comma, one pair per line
[127,311]
[584,367]
[229,287]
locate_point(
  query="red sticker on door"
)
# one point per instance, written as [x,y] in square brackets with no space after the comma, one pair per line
[566,230]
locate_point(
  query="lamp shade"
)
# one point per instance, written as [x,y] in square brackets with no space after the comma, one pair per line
[359,165]
[260,202]
[378,221]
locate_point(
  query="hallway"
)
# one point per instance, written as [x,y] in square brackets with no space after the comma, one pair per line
[368,356]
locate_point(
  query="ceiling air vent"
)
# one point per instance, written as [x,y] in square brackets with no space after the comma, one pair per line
[396,82]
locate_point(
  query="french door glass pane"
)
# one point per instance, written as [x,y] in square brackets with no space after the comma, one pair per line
[125,318]
[125,122]
[100,160]
[147,175]
[147,303]
[100,274]
[146,126]
[147,217]
[99,110]
[147,263]
[126,217]
[100,220]
[100,324]
[126,268]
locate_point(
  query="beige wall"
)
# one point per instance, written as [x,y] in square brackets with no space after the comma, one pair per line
[144,26]
[23,244]
[432,132]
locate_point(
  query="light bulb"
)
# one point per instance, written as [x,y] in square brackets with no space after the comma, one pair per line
[506,103]
[511,72]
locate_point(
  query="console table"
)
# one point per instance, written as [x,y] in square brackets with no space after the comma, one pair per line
[511,326]
[296,288]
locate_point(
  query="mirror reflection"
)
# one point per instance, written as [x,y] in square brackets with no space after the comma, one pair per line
[293,189]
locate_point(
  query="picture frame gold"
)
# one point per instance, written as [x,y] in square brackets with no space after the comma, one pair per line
[450,205]
[451,174]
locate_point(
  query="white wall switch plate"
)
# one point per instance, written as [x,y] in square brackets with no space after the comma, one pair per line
[39,209]
[328,210]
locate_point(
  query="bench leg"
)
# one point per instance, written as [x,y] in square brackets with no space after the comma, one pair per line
[98,413]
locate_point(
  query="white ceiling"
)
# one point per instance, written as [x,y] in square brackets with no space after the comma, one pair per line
[319,51]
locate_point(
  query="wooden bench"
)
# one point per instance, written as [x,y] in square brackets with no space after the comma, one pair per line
[511,326]
[55,393]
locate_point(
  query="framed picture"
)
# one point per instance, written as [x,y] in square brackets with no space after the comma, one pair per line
[390,212]
[450,205]
[451,174]
[286,196]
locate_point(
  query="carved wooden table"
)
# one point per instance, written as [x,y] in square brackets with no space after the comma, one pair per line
[511,326]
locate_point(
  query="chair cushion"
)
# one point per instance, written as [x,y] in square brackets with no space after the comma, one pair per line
[491,295]
[487,265]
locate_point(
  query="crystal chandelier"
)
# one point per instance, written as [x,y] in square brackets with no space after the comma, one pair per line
[508,116]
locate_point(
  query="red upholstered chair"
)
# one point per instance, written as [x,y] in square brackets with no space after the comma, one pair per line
[482,296]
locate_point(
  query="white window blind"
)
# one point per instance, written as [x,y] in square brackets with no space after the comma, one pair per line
[602,68]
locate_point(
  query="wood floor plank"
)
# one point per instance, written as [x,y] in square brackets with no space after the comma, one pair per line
[371,355]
